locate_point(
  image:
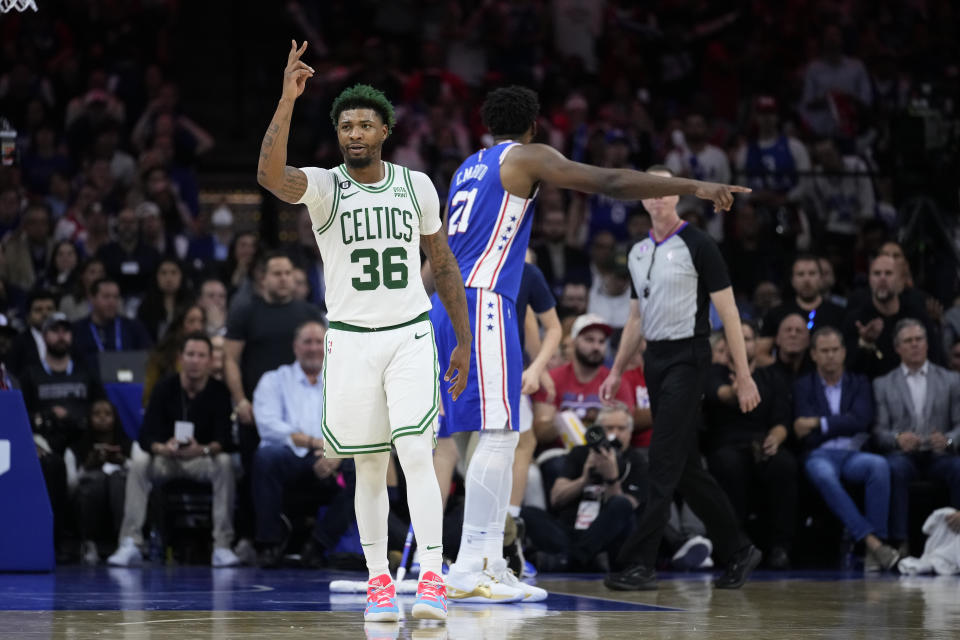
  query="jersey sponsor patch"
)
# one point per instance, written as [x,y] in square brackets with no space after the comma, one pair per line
[345,184]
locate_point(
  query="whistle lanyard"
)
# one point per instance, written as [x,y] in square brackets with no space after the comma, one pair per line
[117,342]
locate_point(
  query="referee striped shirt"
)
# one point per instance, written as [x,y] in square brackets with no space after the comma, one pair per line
[673,280]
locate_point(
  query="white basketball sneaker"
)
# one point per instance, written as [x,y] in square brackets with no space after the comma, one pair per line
[505,576]
[126,555]
[476,582]
[223,557]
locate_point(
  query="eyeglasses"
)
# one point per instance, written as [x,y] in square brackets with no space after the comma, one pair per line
[810,319]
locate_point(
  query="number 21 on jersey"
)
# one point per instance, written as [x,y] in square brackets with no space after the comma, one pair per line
[460,207]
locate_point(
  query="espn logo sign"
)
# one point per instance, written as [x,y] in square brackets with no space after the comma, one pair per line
[4,456]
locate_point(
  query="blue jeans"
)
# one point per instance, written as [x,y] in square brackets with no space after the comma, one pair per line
[904,468]
[827,467]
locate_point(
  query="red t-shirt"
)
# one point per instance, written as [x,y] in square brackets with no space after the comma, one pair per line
[636,385]
[581,398]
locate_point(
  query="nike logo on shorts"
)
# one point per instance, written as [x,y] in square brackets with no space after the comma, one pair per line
[436,546]
[417,336]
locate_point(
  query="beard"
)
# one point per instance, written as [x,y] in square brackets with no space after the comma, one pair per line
[592,360]
[357,163]
[362,162]
[58,349]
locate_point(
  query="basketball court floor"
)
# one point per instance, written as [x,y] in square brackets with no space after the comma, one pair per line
[195,602]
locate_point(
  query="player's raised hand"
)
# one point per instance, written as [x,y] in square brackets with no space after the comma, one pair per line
[459,363]
[720,194]
[297,71]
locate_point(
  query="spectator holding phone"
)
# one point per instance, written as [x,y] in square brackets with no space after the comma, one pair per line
[195,407]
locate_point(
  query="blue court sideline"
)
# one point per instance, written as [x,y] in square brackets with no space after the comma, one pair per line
[200,588]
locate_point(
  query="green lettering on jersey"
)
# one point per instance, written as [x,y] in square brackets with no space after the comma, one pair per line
[377,210]
[356,225]
[394,213]
[347,238]
[407,218]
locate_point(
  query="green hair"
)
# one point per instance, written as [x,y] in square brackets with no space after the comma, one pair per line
[363,96]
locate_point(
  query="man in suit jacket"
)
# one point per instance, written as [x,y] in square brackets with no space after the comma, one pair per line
[918,422]
[833,410]
[29,348]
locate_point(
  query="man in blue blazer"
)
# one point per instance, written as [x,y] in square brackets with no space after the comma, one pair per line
[918,422]
[833,412]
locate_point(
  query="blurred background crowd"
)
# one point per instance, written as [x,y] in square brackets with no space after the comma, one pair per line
[129,203]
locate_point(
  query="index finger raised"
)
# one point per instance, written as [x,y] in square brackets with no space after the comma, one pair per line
[735,188]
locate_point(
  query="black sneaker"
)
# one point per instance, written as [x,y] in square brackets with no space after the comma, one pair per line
[271,557]
[313,554]
[553,562]
[636,577]
[738,569]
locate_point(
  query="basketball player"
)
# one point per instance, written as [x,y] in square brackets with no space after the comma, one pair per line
[381,385]
[490,207]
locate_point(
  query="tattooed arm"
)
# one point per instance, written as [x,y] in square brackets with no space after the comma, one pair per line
[449,283]
[287,183]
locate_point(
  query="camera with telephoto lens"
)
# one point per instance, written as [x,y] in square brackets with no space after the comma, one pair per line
[597,439]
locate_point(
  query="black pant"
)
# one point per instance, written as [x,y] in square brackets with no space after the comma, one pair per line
[100,504]
[773,479]
[675,378]
[276,469]
[55,476]
[606,533]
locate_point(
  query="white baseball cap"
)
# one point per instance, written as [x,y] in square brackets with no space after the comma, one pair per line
[589,321]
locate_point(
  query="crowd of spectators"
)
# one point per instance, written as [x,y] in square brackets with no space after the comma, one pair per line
[838,115]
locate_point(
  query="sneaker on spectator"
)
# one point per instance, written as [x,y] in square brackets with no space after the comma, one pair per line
[529,571]
[89,554]
[883,558]
[126,555]
[477,582]
[223,557]
[739,568]
[692,554]
[505,576]
[635,577]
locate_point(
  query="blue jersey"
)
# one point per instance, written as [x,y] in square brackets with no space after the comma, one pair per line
[488,228]
[771,168]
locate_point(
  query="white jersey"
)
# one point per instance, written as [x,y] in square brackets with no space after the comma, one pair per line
[369,239]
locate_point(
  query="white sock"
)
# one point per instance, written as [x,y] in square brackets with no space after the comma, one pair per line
[372,507]
[488,484]
[423,498]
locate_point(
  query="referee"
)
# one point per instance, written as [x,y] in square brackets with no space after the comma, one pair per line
[676,273]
